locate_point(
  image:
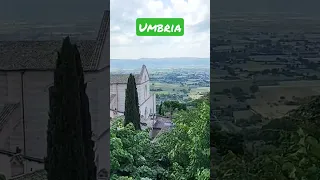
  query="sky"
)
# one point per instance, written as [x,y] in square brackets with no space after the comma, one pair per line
[126,45]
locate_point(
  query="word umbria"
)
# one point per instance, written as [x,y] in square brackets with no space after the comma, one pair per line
[159,27]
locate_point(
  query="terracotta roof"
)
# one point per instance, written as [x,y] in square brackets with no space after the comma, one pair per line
[41,55]
[36,175]
[123,78]
[161,124]
[5,112]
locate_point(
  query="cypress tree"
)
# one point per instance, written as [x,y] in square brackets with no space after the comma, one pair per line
[65,149]
[136,97]
[160,109]
[86,122]
[2,177]
[132,114]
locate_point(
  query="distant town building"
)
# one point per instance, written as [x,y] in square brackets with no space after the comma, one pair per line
[26,73]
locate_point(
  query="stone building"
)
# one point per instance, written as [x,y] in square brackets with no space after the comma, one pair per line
[147,100]
[26,73]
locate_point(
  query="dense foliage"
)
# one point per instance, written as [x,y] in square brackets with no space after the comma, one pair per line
[132,114]
[181,153]
[284,149]
[169,107]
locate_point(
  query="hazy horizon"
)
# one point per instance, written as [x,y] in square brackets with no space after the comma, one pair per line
[151,58]
[159,63]
[307,7]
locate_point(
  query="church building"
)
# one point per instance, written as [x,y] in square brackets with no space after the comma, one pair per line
[26,73]
[147,100]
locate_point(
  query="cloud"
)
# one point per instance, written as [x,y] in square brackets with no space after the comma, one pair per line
[125,44]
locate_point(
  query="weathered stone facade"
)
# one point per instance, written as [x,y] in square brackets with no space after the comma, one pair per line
[147,100]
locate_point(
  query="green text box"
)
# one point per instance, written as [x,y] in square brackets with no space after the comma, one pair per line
[160,27]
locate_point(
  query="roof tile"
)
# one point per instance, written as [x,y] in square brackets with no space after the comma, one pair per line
[36,175]
[123,78]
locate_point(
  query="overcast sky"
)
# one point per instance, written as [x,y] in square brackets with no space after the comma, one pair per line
[126,45]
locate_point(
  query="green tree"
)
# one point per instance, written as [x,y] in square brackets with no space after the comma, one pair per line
[180,153]
[274,71]
[132,114]
[174,105]
[285,148]
[236,91]
[160,109]
[132,154]
[254,88]
[226,91]
[65,150]
[187,144]
[86,122]
[2,176]
[296,156]
[231,71]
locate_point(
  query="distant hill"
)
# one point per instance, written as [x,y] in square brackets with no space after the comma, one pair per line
[160,63]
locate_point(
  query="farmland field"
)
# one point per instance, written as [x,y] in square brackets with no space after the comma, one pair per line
[187,91]
[198,92]
[270,100]
[167,88]
[255,66]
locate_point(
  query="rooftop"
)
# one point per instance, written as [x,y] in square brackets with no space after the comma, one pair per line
[122,78]
[36,175]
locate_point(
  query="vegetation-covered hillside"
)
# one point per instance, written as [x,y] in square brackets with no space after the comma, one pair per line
[284,149]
